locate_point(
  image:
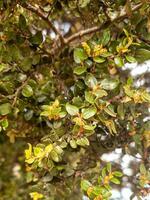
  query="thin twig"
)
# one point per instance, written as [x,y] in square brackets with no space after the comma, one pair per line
[45,17]
[18,91]
[16,94]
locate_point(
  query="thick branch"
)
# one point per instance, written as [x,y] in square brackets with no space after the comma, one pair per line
[67,41]
[87,32]
[102,26]
[45,17]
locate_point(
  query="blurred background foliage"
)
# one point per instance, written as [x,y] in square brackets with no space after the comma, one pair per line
[69,99]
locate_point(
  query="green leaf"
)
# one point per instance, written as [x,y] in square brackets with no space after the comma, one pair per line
[103,172]
[142,55]
[58,150]
[89,127]
[85,185]
[22,22]
[142,169]
[27,91]
[79,70]
[83,3]
[29,177]
[5,109]
[145,96]
[106,37]
[121,111]
[130,59]
[37,39]
[26,64]
[35,59]
[62,114]
[79,55]
[113,127]
[108,194]
[4,123]
[63,144]
[90,80]
[71,109]
[69,171]
[2,67]
[130,81]
[83,141]
[128,91]
[119,61]
[125,31]
[73,144]
[21,77]
[54,156]
[15,53]
[106,54]
[117,173]
[50,164]
[28,115]
[89,97]
[110,111]
[99,93]
[88,112]
[108,167]
[115,180]
[108,187]
[99,59]
[109,84]
[97,190]
[77,101]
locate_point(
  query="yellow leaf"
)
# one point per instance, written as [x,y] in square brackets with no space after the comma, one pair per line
[30,160]
[38,152]
[99,197]
[99,50]
[36,195]
[12,135]
[48,149]
[86,48]
[79,121]
[56,103]
[89,191]
[52,111]
[111,126]
[28,152]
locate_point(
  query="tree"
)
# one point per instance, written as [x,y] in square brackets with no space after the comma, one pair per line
[64,98]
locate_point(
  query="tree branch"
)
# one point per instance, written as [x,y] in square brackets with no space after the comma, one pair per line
[87,31]
[45,17]
[102,26]
[18,91]
[67,41]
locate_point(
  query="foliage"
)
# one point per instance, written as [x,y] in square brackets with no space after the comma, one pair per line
[102,189]
[64,99]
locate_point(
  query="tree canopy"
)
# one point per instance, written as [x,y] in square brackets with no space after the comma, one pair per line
[65,99]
